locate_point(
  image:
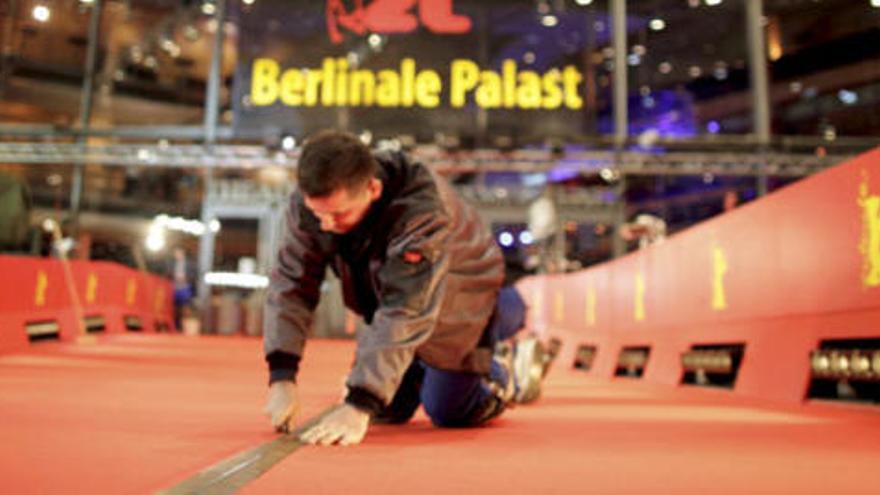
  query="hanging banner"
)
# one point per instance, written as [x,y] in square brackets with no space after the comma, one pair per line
[419,67]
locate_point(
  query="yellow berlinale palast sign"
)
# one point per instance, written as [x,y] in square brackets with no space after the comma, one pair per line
[91,288]
[719,270]
[336,84]
[640,297]
[870,242]
[40,292]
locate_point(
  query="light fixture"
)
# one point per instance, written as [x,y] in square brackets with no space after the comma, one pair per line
[374,40]
[665,67]
[529,57]
[248,2]
[848,97]
[41,13]
[657,24]
[584,3]
[208,8]
[875,4]
[713,3]
[238,280]
[549,20]
[505,239]
[526,238]
[288,143]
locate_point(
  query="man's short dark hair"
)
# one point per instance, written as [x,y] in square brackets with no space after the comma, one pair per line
[331,160]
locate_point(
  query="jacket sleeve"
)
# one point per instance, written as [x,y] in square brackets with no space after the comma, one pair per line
[413,281]
[293,293]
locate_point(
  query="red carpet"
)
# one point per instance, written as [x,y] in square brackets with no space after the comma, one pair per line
[136,414]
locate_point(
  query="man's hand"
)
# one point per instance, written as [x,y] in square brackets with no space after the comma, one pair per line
[345,425]
[282,405]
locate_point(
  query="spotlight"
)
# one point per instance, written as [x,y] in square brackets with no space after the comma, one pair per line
[549,20]
[839,363]
[506,239]
[288,143]
[820,362]
[41,13]
[657,24]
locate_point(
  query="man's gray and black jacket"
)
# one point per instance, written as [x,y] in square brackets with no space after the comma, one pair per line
[421,268]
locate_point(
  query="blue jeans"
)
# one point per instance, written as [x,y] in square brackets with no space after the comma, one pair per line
[456,398]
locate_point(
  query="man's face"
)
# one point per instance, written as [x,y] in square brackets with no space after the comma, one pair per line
[344,208]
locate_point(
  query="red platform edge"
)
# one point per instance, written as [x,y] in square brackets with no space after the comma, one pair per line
[779,275]
[35,290]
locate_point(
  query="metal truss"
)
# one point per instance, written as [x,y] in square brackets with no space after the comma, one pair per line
[449,162]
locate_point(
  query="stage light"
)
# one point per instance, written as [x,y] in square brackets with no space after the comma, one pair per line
[657,24]
[860,364]
[238,280]
[288,143]
[820,362]
[506,239]
[839,363]
[41,13]
[526,237]
[584,3]
[155,241]
[549,20]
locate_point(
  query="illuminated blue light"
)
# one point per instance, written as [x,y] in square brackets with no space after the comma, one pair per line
[506,239]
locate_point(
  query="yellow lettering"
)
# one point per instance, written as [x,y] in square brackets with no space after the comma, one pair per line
[428,89]
[363,88]
[131,292]
[91,288]
[719,264]
[160,300]
[42,285]
[571,79]
[329,70]
[264,82]
[558,306]
[388,92]
[313,80]
[292,85]
[640,297]
[465,75]
[591,307]
[407,81]
[528,94]
[342,82]
[552,91]
[489,93]
[508,69]
[870,243]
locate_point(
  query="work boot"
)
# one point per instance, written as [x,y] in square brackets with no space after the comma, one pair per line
[529,363]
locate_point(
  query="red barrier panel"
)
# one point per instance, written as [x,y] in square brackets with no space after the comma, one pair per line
[35,290]
[778,275]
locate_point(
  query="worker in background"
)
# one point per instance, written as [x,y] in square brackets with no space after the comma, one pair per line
[423,271]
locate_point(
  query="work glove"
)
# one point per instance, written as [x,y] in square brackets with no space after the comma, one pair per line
[282,406]
[344,425]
